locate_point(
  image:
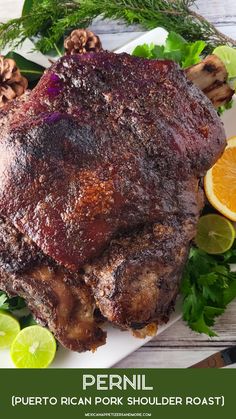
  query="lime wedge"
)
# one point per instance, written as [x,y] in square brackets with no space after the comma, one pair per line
[9,328]
[215,234]
[33,347]
[228,56]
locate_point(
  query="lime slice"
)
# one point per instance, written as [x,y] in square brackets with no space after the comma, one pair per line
[9,328]
[215,234]
[33,347]
[228,56]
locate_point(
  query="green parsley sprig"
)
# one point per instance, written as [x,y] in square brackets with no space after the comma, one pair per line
[11,303]
[16,306]
[208,286]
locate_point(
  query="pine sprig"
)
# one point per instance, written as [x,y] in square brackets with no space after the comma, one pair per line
[48,21]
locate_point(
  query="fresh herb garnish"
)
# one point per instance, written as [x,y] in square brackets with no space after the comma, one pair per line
[46,22]
[3,301]
[11,303]
[176,48]
[225,107]
[208,286]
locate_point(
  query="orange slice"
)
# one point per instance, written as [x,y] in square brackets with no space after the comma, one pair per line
[220,182]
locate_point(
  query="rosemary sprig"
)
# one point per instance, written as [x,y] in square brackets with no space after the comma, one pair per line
[48,21]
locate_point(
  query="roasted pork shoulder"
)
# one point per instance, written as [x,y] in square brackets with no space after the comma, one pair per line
[99,181]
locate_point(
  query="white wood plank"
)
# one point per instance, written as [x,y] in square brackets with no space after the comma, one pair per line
[217,10]
[180,334]
[168,358]
[221,13]
[179,347]
[229,30]
[10,9]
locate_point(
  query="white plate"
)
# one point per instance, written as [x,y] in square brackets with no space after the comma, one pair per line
[119,344]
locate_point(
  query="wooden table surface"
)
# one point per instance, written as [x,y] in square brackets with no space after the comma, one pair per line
[178,346]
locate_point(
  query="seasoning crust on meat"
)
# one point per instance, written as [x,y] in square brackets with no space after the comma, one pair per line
[57,298]
[99,171]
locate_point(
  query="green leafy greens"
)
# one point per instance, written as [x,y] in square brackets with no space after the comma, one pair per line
[208,286]
[176,48]
[16,306]
[11,303]
[3,301]
[225,107]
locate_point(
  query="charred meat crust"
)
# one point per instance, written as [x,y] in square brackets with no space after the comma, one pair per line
[99,173]
[102,145]
[57,298]
[136,281]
